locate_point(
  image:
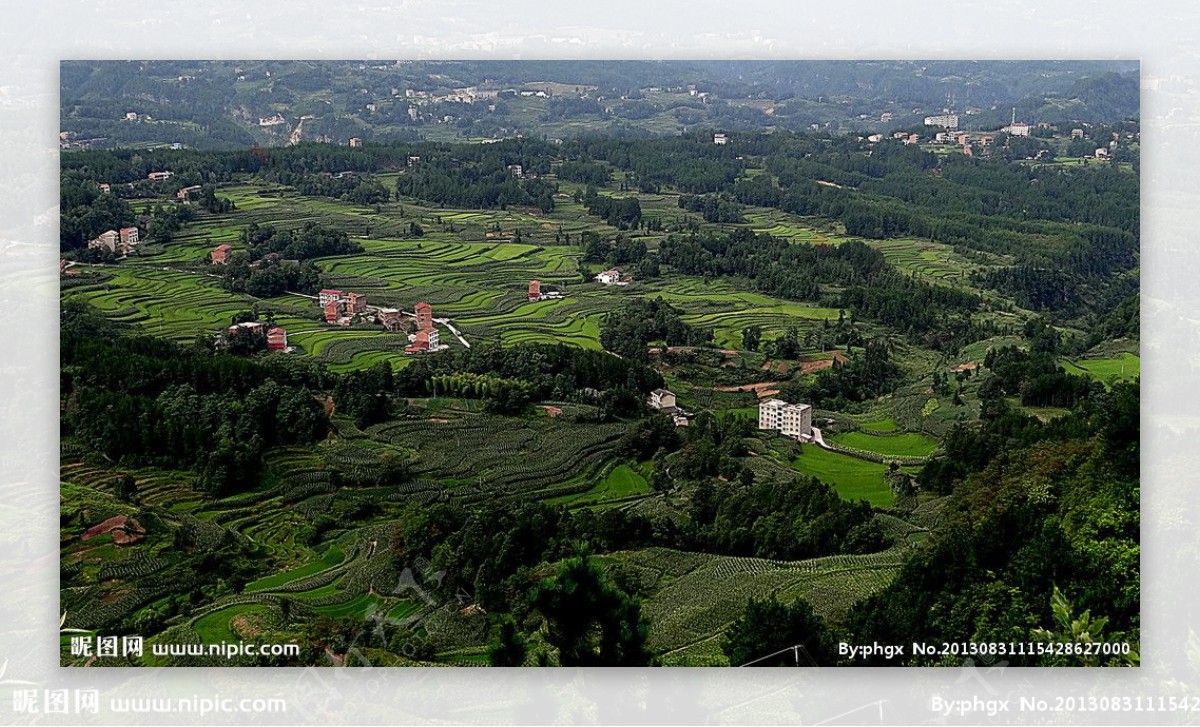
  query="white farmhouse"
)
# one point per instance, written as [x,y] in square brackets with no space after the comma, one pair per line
[790,420]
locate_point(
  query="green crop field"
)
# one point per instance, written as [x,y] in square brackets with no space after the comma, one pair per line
[695,596]
[1124,367]
[853,478]
[216,626]
[332,557]
[908,444]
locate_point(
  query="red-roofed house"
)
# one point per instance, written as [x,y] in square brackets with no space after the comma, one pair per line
[421,342]
[333,311]
[277,339]
[220,254]
[535,290]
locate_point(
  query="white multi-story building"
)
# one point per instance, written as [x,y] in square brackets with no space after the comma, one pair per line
[790,420]
[948,121]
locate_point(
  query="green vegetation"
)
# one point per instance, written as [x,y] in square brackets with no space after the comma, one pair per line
[853,478]
[1125,367]
[904,445]
[965,329]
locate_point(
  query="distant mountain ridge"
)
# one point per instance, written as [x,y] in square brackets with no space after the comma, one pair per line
[223,104]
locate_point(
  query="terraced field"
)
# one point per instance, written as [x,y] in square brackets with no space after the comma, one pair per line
[509,457]
[695,596]
[931,260]
[853,478]
[907,444]
[476,282]
[1125,367]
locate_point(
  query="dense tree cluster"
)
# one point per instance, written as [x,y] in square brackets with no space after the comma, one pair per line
[310,241]
[554,371]
[871,288]
[85,212]
[360,190]
[629,329]
[621,251]
[482,177]
[770,633]
[1047,508]
[714,207]
[624,213]
[141,400]
[585,172]
[866,374]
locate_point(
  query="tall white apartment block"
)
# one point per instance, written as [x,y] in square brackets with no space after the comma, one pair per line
[790,420]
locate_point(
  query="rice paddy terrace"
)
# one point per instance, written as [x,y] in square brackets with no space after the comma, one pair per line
[468,264]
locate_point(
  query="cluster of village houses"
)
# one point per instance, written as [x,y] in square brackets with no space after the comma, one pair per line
[340,308]
[614,277]
[123,241]
[790,420]
[276,336]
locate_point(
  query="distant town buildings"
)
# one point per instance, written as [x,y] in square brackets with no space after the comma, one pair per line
[720,139]
[1016,128]
[355,142]
[104,188]
[159,176]
[275,120]
[220,254]
[946,121]
[790,420]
